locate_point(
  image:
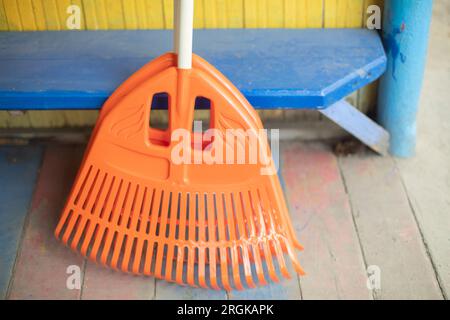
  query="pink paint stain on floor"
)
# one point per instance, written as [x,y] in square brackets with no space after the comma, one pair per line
[322,217]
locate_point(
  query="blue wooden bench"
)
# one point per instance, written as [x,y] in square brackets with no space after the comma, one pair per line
[274,68]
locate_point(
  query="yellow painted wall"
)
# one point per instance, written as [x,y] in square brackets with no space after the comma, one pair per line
[30,15]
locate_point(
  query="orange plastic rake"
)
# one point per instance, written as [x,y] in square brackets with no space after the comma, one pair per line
[135,209]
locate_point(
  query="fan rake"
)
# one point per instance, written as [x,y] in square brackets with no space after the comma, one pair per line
[133,208]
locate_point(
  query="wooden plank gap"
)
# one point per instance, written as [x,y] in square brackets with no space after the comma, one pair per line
[355,225]
[19,167]
[39,246]
[25,224]
[387,230]
[321,215]
[422,236]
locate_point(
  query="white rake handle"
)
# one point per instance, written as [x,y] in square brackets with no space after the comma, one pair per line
[183,32]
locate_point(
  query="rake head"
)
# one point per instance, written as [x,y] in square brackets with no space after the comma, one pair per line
[135,209]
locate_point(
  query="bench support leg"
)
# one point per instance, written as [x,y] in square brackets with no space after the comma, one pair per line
[359,125]
[405,37]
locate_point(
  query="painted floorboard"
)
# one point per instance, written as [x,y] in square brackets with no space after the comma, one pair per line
[172,291]
[102,283]
[19,168]
[427,176]
[42,263]
[286,289]
[388,232]
[321,214]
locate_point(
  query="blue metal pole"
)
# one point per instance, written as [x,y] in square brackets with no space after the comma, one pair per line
[405,35]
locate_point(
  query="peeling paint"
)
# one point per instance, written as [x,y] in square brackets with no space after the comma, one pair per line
[393,43]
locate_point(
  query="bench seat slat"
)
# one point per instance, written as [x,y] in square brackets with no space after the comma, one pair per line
[274,68]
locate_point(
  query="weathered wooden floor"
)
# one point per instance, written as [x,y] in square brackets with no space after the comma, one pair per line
[351,214]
